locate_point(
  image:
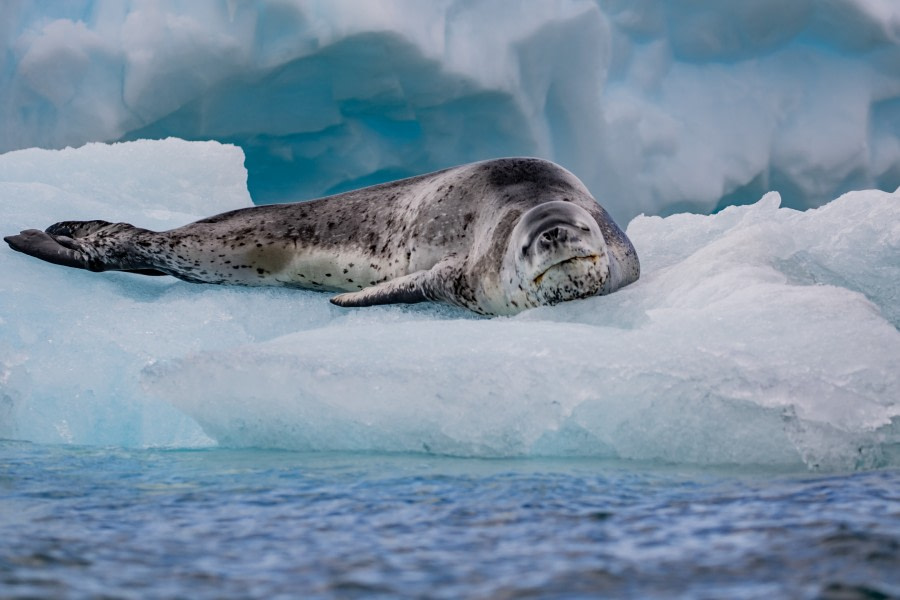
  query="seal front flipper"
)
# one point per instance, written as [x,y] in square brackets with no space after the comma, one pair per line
[39,244]
[421,286]
[408,289]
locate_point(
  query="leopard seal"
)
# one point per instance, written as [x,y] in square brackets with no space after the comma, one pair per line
[496,237]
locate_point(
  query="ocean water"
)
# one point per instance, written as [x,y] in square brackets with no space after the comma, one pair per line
[88,522]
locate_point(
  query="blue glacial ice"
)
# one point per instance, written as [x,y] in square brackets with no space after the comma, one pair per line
[757,335]
[659,106]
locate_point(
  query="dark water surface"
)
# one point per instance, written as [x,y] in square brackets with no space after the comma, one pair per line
[78,522]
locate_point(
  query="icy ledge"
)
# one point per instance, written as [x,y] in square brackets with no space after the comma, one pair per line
[758,335]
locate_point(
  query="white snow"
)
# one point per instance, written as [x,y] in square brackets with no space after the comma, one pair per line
[758,335]
[658,106]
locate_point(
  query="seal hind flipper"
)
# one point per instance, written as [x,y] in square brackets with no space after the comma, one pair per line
[45,246]
[69,244]
[76,229]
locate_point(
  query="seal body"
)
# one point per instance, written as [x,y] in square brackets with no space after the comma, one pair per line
[495,237]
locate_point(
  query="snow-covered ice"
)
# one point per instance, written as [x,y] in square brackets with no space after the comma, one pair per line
[758,335]
[659,106]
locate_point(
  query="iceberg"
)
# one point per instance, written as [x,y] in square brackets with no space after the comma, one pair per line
[759,335]
[658,106]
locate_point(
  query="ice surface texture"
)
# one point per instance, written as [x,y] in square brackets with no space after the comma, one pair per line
[759,335]
[657,105]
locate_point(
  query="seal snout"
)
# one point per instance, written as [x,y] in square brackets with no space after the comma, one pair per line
[561,241]
[554,235]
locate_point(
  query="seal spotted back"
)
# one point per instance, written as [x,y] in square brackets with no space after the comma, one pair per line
[495,237]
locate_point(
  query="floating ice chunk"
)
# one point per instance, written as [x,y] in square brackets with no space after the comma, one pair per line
[758,335]
[739,371]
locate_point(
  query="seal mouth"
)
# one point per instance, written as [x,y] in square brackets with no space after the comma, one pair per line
[593,258]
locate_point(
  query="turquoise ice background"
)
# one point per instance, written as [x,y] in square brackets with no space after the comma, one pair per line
[659,106]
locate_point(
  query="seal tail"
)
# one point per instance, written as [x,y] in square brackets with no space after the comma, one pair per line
[67,243]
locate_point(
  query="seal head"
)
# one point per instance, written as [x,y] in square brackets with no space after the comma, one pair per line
[556,253]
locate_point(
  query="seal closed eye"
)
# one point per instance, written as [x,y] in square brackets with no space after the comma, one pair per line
[496,237]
